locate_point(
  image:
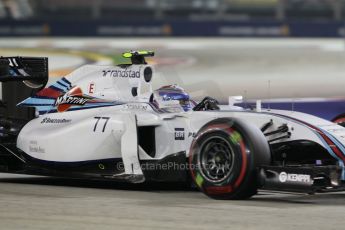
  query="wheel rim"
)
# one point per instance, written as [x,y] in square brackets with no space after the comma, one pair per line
[216,159]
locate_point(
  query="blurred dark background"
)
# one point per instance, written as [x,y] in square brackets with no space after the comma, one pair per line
[173,9]
[323,18]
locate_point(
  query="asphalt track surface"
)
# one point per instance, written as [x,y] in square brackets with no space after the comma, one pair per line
[294,67]
[50,203]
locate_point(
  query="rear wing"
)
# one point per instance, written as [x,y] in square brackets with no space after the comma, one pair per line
[33,71]
[21,77]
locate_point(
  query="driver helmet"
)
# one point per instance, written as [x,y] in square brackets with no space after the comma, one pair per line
[172,98]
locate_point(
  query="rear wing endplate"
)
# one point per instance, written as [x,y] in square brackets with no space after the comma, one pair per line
[33,71]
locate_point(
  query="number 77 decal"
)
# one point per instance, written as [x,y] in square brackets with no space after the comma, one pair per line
[104,125]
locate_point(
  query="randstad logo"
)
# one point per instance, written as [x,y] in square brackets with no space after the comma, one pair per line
[73,97]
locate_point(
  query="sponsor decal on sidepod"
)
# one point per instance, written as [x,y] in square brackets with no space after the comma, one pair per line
[179,134]
[73,97]
[48,120]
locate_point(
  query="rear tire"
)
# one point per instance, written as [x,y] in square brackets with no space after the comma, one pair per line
[224,158]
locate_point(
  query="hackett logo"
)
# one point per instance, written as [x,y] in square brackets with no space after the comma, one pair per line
[73,97]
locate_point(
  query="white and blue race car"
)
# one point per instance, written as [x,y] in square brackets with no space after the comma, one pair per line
[106,122]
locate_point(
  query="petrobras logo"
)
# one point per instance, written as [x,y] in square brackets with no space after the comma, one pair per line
[123,73]
[73,97]
[289,177]
[179,134]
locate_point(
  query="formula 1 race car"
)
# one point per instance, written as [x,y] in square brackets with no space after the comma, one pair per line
[106,122]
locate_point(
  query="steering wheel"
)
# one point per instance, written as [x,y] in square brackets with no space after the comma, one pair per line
[208,103]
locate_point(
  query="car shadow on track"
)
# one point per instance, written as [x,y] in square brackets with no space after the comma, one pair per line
[326,199]
[99,184]
[261,199]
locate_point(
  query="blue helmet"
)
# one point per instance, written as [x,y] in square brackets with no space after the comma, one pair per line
[174,92]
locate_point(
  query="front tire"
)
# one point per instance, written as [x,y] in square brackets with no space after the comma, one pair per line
[224,157]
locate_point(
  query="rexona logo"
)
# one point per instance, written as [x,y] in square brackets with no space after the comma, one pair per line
[287,177]
[73,97]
